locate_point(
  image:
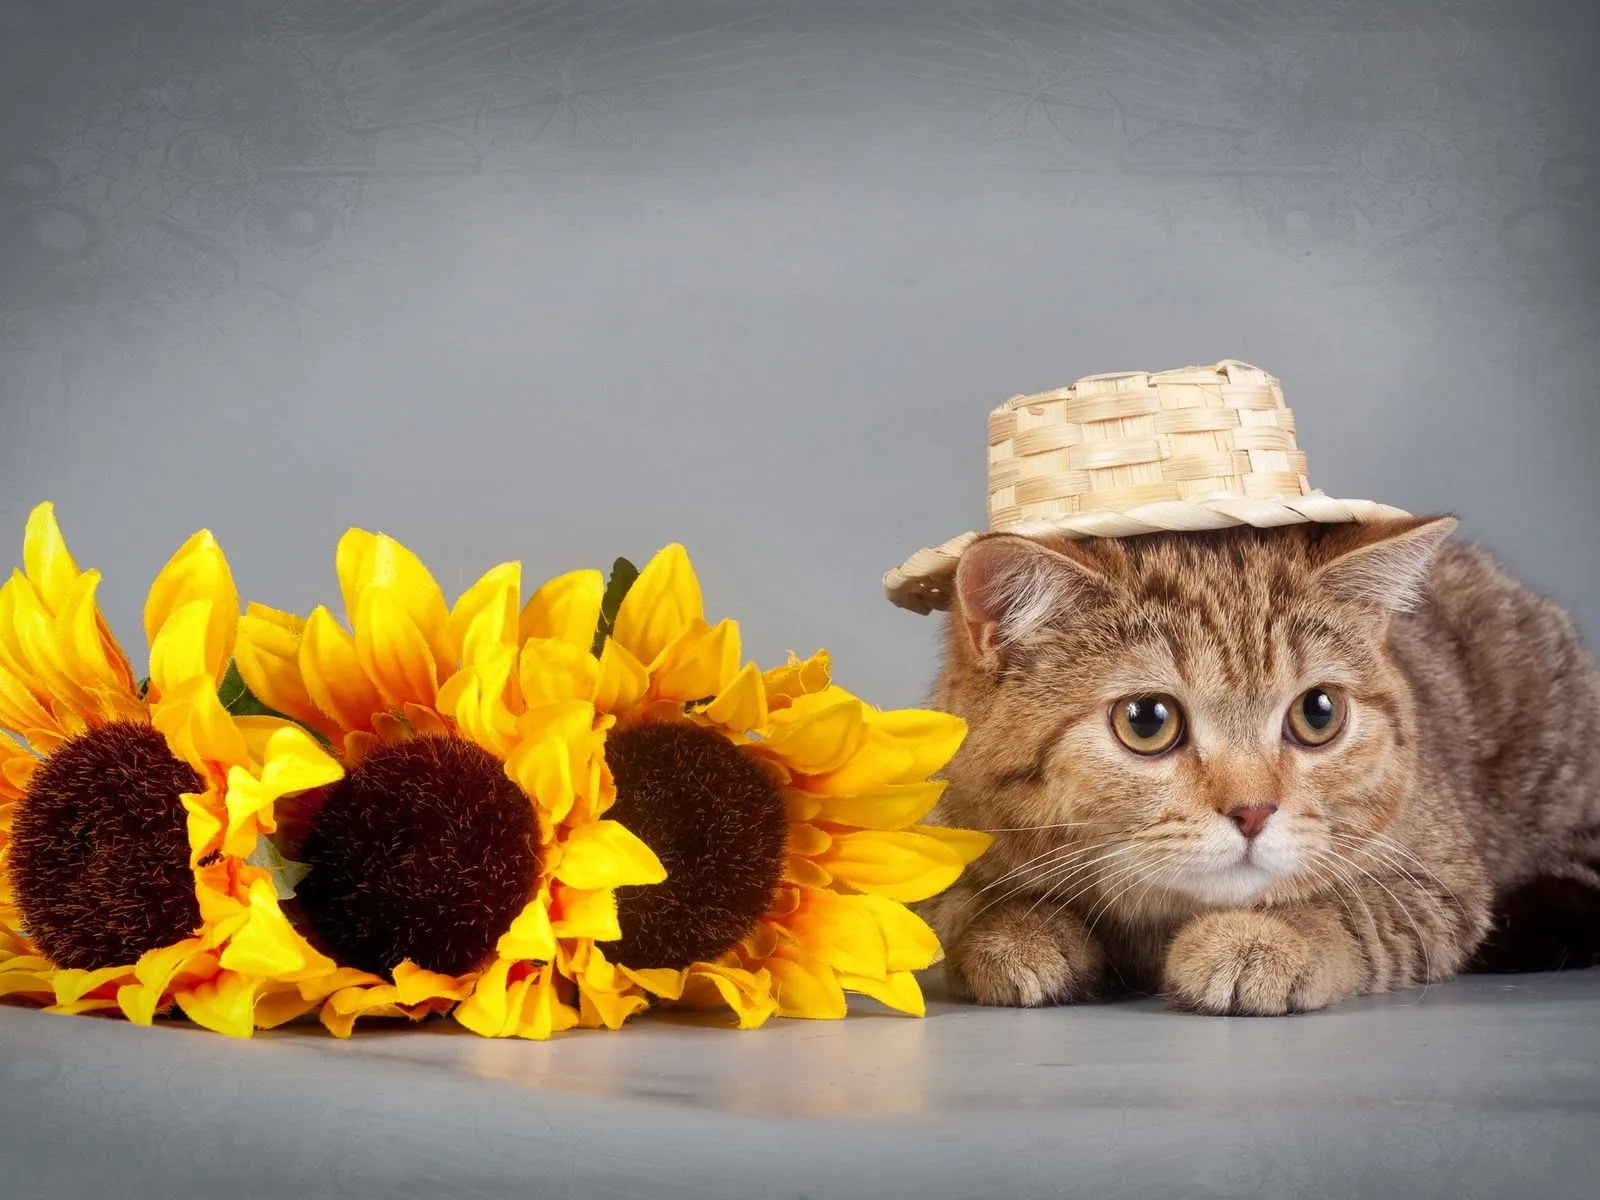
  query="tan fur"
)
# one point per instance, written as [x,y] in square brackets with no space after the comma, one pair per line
[1468,765]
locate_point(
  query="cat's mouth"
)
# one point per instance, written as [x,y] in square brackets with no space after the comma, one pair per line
[1232,874]
[1234,883]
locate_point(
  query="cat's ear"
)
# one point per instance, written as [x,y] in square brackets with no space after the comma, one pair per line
[1008,586]
[1387,565]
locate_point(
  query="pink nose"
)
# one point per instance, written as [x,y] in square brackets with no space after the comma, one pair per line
[1251,818]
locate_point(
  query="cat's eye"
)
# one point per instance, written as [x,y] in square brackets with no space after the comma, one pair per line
[1147,724]
[1316,717]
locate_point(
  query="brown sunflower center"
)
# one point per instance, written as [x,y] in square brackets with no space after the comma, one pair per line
[719,827]
[100,849]
[425,851]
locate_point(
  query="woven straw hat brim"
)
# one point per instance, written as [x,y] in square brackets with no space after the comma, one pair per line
[923,583]
[1138,452]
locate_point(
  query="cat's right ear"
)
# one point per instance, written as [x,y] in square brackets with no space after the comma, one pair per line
[1007,587]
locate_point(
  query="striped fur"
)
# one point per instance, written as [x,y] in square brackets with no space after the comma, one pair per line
[1454,823]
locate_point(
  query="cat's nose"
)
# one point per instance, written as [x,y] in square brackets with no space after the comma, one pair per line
[1251,818]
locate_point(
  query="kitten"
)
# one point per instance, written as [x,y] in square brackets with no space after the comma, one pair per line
[1261,771]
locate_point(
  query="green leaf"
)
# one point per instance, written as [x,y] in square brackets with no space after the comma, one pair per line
[623,576]
[286,873]
[239,700]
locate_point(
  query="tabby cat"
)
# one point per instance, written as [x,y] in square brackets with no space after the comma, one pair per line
[1260,771]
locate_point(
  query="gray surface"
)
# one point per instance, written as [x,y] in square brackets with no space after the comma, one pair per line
[568,279]
[1484,1088]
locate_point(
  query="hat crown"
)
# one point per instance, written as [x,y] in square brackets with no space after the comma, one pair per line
[1118,441]
[1138,452]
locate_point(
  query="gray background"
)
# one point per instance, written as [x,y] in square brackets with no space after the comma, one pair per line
[570,279]
[565,280]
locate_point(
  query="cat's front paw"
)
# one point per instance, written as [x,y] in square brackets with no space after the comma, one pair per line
[1021,954]
[1242,962]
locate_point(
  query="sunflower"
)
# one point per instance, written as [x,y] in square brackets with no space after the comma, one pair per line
[464,861]
[130,812]
[784,809]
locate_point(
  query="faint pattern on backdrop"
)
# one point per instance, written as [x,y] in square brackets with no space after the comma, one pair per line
[203,205]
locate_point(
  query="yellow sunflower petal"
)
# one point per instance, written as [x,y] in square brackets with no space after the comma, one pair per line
[352,562]
[333,674]
[45,557]
[899,991]
[742,704]
[911,944]
[394,651]
[413,985]
[34,643]
[343,1008]
[179,650]
[587,914]
[341,979]
[666,982]
[32,982]
[486,614]
[898,865]
[605,996]
[699,664]
[893,806]
[83,1006]
[623,679]
[747,993]
[279,1003]
[19,708]
[968,844]
[267,651]
[805,872]
[543,1013]
[567,609]
[368,563]
[900,747]
[818,733]
[604,854]
[225,1004]
[292,763]
[808,839]
[475,696]
[155,971]
[550,671]
[198,571]
[100,662]
[550,763]
[71,984]
[805,988]
[530,935]
[489,1011]
[17,765]
[801,806]
[839,931]
[197,728]
[267,944]
[660,606]
[204,824]
[798,678]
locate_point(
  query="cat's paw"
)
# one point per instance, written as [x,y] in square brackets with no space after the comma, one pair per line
[1242,962]
[1021,954]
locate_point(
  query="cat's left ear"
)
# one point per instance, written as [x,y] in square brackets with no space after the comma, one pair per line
[1387,564]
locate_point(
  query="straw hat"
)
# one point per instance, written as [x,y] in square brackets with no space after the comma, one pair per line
[1129,453]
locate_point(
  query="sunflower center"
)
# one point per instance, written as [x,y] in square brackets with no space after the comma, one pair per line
[425,851]
[719,827]
[100,849]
